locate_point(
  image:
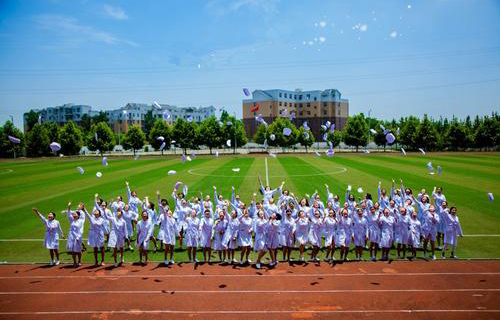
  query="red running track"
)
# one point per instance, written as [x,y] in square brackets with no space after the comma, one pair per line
[397,290]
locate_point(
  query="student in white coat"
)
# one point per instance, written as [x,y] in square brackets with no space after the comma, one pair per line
[230,240]
[429,229]
[206,234]
[453,230]
[329,228]
[343,235]
[402,230]
[220,225]
[301,233]
[272,237]
[315,234]
[360,232]
[373,231]
[144,231]
[245,236]
[415,230]
[96,234]
[387,223]
[168,231]
[52,232]
[267,192]
[75,234]
[260,228]
[286,234]
[192,239]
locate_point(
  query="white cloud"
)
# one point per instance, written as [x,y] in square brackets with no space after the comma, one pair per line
[322,39]
[70,28]
[322,24]
[393,34]
[222,7]
[363,27]
[116,13]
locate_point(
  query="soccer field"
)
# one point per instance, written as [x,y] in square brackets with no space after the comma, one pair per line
[50,185]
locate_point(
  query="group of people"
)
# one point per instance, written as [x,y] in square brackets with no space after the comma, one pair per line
[279,221]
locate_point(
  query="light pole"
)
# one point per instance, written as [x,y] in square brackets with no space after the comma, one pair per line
[369,122]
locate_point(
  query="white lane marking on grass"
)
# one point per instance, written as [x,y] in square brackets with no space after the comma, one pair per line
[289,275]
[267,173]
[251,311]
[240,291]
[202,174]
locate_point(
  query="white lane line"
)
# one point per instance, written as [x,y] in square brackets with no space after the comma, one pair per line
[251,311]
[267,173]
[242,291]
[410,274]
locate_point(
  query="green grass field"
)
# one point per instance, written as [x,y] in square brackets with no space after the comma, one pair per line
[50,185]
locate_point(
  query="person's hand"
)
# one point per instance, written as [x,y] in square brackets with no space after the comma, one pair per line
[232,188]
[69,204]
[126,183]
[380,183]
[35,211]
[215,188]
[157,192]
[96,195]
[326,185]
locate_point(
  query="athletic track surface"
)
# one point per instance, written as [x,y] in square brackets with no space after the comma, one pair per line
[352,290]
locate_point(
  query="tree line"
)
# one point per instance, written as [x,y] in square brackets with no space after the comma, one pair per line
[411,133]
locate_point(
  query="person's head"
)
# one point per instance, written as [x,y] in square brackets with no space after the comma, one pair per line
[237,197]
[402,211]
[246,214]
[392,203]
[286,192]
[373,210]
[291,205]
[336,198]
[360,212]
[97,213]
[398,192]
[408,191]
[207,213]
[408,202]
[271,201]
[180,195]
[133,193]
[164,202]
[145,215]
[288,213]
[315,205]
[268,188]
[151,206]
[444,204]
[351,197]
[258,205]
[317,214]
[432,208]
[439,190]
[386,212]
[184,203]
[383,192]
[376,205]
[425,199]
[368,196]
[273,216]
[234,214]
[221,215]
[414,215]
[51,215]
[76,214]
[345,212]
[207,198]
[453,211]
[104,204]
[119,213]
[363,205]
[346,204]
[301,214]
[126,207]
[193,213]
[304,202]
[119,199]
[260,214]
[331,213]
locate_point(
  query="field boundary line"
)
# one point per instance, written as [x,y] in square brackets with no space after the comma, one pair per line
[252,311]
[289,275]
[241,291]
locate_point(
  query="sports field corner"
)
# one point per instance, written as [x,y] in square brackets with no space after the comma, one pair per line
[453,288]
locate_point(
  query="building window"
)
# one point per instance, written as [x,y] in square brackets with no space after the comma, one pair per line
[280,94]
[300,113]
[295,96]
[308,96]
[286,104]
[270,106]
[308,112]
[315,107]
[324,105]
[301,105]
[338,112]
[285,95]
[300,97]
[308,104]
[315,98]
[324,112]
[280,103]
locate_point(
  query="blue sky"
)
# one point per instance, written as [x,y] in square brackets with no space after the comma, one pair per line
[398,58]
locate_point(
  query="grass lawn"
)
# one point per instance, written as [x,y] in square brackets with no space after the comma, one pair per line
[50,185]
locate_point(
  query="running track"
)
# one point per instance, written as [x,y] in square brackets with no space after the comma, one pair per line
[367,290]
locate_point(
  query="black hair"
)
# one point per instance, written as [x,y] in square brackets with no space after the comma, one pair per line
[278,216]
[53,213]
[368,196]
[152,205]
[78,213]
[166,201]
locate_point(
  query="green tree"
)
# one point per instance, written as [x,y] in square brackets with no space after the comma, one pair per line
[487,134]
[101,117]
[52,130]
[408,132]
[426,136]
[335,138]
[31,119]
[456,136]
[8,148]
[149,121]
[160,129]
[281,140]
[211,133]
[86,123]
[71,139]
[305,137]
[184,133]
[105,138]
[379,138]
[260,134]
[224,116]
[38,141]
[356,131]
[234,130]
[134,138]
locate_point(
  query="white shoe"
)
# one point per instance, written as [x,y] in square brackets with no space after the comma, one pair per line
[249,261]
[316,259]
[172,262]
[196,260]
[51,263]
[166,262]
[257,266]
[235,261]
[453,256]
[115,265]
[433,257]
[57,263]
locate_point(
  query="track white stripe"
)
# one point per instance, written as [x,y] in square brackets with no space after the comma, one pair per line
[401,274]
[242,291]
[250,311]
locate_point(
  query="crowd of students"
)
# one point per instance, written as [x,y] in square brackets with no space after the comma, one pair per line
[280,221]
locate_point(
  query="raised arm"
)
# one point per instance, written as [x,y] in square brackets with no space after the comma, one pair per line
[129,195]
[44,220]
[68,213]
